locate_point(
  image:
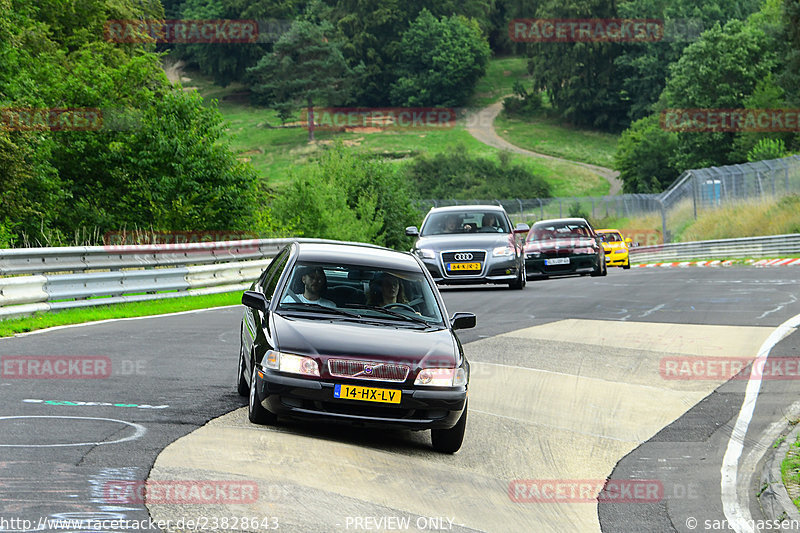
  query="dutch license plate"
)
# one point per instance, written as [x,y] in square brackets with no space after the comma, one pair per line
[366,394]
[463,266]
[557,261]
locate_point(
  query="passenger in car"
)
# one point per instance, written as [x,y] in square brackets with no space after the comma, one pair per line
[314,284]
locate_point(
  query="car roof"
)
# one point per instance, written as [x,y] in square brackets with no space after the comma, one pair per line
[563,220]
[468,208]
[367,255]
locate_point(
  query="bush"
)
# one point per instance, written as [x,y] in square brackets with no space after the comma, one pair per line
[349,197]
[457,175]
[645,157]
[523,103]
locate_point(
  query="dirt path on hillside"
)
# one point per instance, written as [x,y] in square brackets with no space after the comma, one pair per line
[481,126]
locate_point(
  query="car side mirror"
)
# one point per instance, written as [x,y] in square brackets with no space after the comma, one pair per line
[629,240]
[412,231]
[255,300]
[463,321]
[521,228]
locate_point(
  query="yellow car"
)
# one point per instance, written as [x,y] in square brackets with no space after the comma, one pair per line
[616,248]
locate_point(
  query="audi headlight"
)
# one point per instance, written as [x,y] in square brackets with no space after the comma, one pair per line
[425,253]
[293,364]
[503,251]
[441,377]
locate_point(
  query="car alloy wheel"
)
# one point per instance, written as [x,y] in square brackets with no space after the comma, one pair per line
[255,411]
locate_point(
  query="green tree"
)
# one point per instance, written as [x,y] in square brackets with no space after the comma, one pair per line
[228,62]
[372,31]
[349,197]
[306,67]
[580,78]
[440,61]
[718,71]
[645,155]
[644,67]
[165,165]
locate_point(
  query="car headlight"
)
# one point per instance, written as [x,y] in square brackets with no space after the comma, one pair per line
[441,377]
[586,250]
[620,250]
[425,253]
[293,364]
[533,254]
[503,251]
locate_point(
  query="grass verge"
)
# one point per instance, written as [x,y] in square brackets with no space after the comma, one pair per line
[133,309]
[790,471]
[257,135]
[549,136]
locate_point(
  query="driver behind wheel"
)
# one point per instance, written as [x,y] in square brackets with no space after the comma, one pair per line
[386,290]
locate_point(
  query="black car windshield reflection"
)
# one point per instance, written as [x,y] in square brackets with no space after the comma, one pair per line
[468,221]
[566,231]
[360,292]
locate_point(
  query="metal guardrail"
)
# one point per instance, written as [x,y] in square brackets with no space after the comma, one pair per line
[771,246]
[43,279]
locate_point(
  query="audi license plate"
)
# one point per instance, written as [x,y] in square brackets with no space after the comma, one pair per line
[557,261]
[367,394]
[463,266]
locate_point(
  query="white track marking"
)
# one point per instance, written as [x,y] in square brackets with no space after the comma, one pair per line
[739,517]
[140,431]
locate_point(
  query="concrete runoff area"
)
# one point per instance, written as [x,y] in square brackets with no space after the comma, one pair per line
[558,404]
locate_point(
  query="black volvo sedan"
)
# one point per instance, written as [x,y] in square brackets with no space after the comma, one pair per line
[355,334]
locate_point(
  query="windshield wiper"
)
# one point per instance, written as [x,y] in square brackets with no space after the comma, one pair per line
[317,307]
[395,314]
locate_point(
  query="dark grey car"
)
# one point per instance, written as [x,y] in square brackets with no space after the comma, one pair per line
[471,245]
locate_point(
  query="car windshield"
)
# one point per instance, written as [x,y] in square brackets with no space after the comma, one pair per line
[468,221]
[610,237]
[362,293]
[560,230]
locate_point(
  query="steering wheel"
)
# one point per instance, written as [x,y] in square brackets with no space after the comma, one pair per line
[398,304]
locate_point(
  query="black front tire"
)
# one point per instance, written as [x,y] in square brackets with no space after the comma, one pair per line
[241,383]
[521,281]
[450,440]
[255,411]
[627,264]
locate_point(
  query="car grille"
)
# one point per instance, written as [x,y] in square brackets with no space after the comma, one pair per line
[561,252]
[478,256]
[344,368]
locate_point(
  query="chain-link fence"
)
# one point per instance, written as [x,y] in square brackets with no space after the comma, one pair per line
[694,190]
